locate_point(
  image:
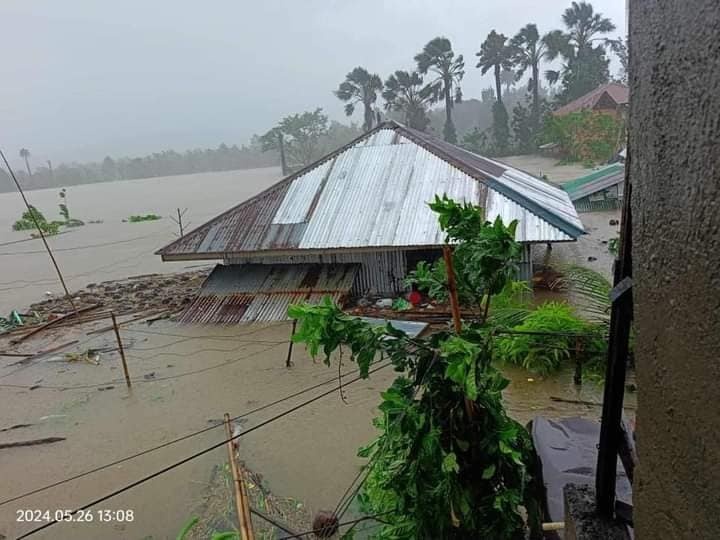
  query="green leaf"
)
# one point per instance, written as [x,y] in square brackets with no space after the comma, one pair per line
[488,472]
[450,464]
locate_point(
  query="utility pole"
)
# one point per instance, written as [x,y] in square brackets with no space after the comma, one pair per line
[52,173]
[283,162]
[40,232]
[179,221]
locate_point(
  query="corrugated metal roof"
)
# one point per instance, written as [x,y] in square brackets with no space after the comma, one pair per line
[373,193]
[596,181]
[529,225]
[254,292]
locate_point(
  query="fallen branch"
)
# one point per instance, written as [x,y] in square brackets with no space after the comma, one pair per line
[53,323]
[33,442]
[16,426]
[40,354]
[582,402]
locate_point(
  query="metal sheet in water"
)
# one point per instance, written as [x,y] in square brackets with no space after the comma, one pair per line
[234,294]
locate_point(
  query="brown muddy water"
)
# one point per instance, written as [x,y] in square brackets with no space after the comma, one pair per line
[185,378]
[112,249]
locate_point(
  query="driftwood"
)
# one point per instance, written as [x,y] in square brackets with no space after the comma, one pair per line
[53,323]
[144,314]
[16,426]
[583,402]
[33,442]
[40,354]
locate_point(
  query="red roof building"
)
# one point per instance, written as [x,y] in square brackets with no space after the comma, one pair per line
[610,97]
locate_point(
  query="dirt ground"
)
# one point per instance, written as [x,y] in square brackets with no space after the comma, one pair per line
[184,379]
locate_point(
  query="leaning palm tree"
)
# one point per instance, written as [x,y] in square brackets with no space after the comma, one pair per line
[404,93]
[494,54]
[438,58]
[360,86]
[581,47]
[528,50]
[25,154]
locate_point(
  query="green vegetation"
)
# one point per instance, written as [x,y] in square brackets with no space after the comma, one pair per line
[144,217]
[307,137]
[587,136]
[406,95]
[360,87]
[65,212]
[26,222]
[544,352]
[449,462]
[438,58]
[582,49]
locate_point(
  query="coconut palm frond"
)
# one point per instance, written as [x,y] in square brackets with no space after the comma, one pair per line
[508,317]
[589,290]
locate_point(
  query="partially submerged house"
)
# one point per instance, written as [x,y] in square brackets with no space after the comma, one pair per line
[356,221]
[600,190]
[611,98]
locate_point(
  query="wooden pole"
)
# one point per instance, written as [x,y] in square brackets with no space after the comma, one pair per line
[122,351]
[242,502]
[577,377]
[283,162]
[39,230]
[288,361]
[180,223]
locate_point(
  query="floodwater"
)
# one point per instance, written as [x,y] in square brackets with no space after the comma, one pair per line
[185,378]
[112,249]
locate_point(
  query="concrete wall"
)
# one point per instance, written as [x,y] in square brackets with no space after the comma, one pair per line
[675,171]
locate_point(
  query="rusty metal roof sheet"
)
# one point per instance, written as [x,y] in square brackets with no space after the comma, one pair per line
[373,193]
[247,293]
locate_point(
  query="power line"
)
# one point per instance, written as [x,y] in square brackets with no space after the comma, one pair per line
[200,453]
[144,380]
[42,235]
[75,248]
[169,334]
[114,265]
[174,441]
[347,498]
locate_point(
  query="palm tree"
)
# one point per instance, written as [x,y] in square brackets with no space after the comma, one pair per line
[495,54]
[25,154]
[360,86]
[528,50]
[508,78]
[584,63]
[438,58]
[404,93]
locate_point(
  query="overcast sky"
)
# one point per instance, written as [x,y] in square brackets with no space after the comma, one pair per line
[86,78]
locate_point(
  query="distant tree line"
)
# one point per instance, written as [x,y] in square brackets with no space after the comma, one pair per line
[481,125]
[166,163]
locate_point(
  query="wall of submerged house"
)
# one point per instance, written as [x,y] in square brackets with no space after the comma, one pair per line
[381,272]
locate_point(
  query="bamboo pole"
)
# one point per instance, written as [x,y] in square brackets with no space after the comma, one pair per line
[242,502]
[122,351]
